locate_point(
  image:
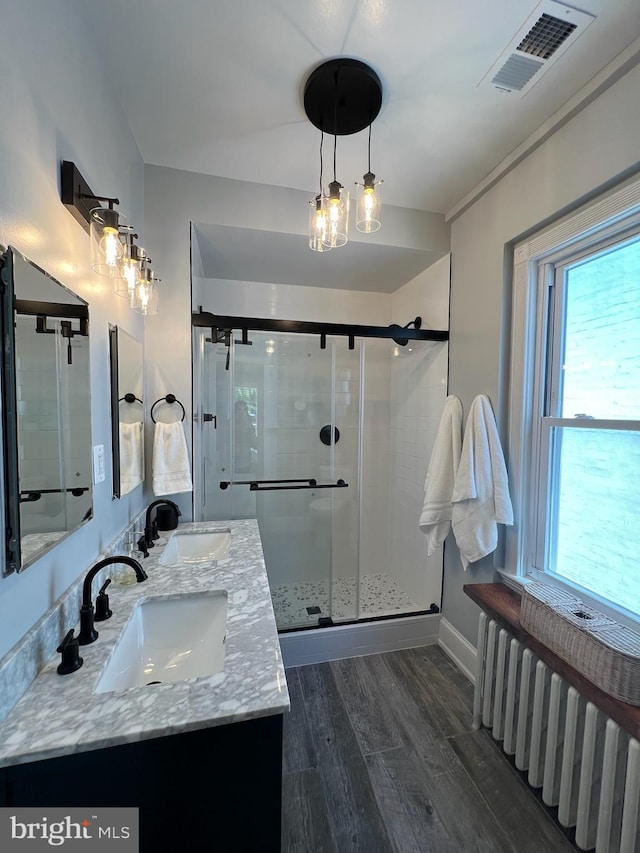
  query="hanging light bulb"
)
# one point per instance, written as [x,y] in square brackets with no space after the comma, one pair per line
[318,225]
[369,202]
[107,249]
[318,220]
[337,207]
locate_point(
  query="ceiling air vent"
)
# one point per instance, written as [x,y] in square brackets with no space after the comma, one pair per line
[550,29]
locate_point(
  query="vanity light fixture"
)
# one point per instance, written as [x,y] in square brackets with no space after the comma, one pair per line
[342,96]
[113,252]
[107,249]
[146,299]
[103,223]
[132,268]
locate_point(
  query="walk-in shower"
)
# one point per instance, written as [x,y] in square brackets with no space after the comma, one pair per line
[296,424]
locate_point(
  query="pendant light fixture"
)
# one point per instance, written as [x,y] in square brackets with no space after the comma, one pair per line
[337,208]
[318,216]
[342,97]
[369,203]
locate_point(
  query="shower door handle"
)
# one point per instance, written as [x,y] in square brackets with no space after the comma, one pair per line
[256,487]
[207,417]
[282,485]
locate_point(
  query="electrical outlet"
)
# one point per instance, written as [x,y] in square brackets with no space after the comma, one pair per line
[98,463]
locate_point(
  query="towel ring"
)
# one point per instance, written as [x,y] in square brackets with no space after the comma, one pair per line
[170,398]
[130,398]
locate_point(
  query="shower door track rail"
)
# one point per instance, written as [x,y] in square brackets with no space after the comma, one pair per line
[225,325]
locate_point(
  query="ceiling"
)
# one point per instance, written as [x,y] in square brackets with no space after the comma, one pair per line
[216,87]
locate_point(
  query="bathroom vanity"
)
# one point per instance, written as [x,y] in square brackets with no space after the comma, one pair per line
[200,756]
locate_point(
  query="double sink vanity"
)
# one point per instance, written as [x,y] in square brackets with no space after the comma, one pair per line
[177,707]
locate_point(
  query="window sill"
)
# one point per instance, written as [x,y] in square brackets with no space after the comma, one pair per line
[516,583]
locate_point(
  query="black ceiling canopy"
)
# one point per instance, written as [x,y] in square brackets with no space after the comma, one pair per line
[342,96]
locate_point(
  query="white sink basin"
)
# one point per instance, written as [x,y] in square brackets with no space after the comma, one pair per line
[196,547]
[169,638]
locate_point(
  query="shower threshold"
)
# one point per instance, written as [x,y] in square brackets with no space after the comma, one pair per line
[329,623]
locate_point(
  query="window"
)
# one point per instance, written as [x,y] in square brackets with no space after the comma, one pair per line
[575,406]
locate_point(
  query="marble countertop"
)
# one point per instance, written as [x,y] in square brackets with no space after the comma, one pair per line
[60,715]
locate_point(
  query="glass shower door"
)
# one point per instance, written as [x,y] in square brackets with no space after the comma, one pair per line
[287,417]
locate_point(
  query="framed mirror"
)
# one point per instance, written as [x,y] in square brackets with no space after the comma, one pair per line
[127,411]
[46,414]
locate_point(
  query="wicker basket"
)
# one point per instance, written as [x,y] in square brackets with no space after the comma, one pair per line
[607,653]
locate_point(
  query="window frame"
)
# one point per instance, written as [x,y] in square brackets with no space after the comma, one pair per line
[535,309]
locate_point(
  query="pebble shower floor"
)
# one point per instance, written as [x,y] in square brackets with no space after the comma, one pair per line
[379,596]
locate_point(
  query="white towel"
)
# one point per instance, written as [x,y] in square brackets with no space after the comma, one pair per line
[131,456]
[171,470]
[481,494]
[435,520]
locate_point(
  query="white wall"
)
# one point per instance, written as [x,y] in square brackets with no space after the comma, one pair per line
[56,105]
[591,150]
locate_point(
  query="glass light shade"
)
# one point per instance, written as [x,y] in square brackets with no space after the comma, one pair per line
[146,299]
[107,248]
[337,208]
[369,206]
[132,273]
[318,225]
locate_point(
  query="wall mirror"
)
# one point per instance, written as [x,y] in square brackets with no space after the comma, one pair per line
[127,411]
[46,412]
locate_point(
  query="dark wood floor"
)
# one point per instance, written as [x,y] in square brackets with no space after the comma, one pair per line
[379,755]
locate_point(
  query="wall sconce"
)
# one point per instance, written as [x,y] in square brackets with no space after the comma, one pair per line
[147,299]
[113,252]
[132,269]
[342,97]
[103,224]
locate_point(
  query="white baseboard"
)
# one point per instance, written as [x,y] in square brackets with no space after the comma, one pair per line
[458,648]
[346,641]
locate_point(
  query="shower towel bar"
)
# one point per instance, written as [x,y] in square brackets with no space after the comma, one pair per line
[224,484]
[255,487]
[33,495]
[282,485]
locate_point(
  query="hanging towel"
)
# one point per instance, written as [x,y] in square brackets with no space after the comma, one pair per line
[435,520]
[171,471]
[131,456]
[481,493]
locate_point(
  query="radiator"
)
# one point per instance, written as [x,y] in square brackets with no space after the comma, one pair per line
[585,765]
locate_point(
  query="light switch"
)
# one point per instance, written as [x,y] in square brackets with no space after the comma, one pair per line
[98,463]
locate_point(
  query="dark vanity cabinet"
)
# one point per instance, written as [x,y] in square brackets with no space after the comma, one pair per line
[213,790]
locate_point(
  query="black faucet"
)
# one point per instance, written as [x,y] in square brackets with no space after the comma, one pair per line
[87,632]
[151,527]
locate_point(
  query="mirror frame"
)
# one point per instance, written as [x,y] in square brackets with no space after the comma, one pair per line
[9,409]
[11,491]
[114,375]
[115,412]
